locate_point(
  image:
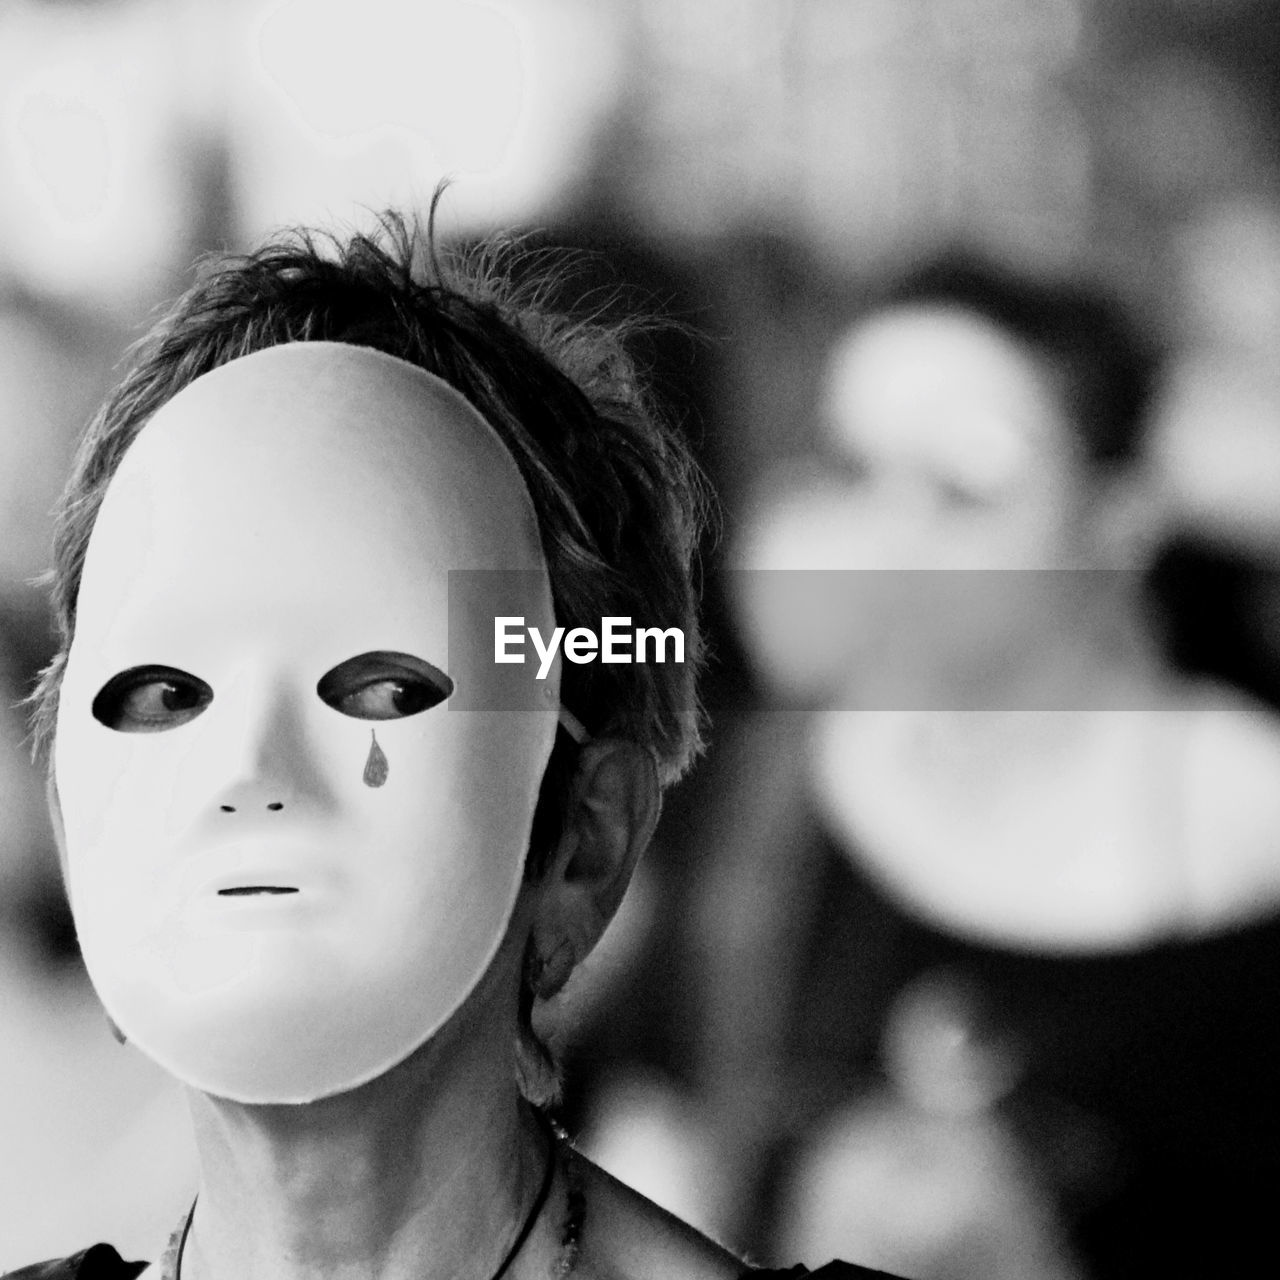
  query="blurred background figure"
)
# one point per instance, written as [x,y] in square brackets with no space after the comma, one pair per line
[758,169]
[990,499]
[1021,783]
[925,1173]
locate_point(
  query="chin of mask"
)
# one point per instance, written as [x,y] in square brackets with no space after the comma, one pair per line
[290,861]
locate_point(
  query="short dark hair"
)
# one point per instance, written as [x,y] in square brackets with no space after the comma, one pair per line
[1106,366]
[618,497]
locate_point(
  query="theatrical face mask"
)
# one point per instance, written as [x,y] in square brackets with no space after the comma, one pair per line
[290,861]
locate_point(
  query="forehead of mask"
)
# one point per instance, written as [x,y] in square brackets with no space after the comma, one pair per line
[254,914]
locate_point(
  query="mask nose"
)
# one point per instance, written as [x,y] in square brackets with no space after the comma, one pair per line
[264,764]
[273,806]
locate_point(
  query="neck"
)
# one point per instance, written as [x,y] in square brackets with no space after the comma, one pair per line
[428,1171]
[1102,658]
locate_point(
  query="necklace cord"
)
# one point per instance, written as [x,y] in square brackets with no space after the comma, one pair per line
[526,1228]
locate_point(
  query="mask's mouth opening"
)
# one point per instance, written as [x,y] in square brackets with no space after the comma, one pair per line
[247,890]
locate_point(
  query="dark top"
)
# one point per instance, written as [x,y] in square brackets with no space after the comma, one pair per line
[832,1271]
[1173,1049]
[102,1262]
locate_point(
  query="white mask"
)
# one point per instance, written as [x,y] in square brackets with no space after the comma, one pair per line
[269,906]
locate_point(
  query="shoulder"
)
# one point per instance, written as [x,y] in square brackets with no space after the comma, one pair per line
[1232,804]
[625,1236]
[101,1262]
[628,1237]
[1225,719]
[832,1271]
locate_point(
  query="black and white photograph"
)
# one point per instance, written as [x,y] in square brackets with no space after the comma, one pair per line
[639,639]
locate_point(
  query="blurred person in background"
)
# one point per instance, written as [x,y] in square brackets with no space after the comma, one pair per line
[328,908]
[925,1167]
[1004,776]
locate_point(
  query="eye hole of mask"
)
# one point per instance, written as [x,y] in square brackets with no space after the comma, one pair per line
[150,699]
[383,686]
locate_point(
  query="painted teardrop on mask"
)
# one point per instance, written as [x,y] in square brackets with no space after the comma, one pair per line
[375,767]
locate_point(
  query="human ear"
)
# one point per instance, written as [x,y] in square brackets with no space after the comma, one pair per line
[613,807]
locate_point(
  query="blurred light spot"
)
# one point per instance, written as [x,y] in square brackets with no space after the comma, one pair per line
[339,107]
[64,150]
[92,201]
[450,70]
